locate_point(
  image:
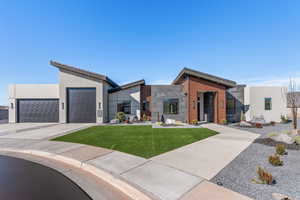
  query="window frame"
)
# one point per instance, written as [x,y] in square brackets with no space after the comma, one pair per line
[268,103]
[168,106]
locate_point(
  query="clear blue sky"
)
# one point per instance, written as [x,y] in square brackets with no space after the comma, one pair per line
[255,42]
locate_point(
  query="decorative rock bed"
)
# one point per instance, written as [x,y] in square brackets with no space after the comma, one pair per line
[273,143]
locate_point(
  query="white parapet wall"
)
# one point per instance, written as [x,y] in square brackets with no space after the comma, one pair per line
[254,99]
[29,91]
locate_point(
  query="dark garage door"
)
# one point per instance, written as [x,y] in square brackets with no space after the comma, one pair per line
[81,105]
[38,110]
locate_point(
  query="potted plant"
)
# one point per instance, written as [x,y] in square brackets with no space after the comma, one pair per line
[272,123]
[258,125]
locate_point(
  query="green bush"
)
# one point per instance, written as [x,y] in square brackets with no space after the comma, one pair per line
[275,160]
[280,149]
[121,116]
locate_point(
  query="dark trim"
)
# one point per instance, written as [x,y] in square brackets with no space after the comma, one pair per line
[86,74]
[191,72]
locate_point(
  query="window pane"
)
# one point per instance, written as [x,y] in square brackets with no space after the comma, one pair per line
[124,107]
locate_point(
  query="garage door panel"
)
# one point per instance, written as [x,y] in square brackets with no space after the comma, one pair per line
[81,105]
[38,110]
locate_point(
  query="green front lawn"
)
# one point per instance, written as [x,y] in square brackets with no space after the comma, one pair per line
[143,141]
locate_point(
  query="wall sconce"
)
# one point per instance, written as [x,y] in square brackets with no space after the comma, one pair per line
[99,105]
[194,104]
[12,105]
[63,105]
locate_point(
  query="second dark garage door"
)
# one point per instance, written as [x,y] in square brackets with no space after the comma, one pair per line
[38,110]
[81,105]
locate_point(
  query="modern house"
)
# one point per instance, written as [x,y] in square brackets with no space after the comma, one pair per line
[85,97]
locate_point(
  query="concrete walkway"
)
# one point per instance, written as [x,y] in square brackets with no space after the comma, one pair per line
[179,174]
[209,156]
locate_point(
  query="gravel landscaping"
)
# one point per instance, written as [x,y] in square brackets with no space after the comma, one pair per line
[238,174]
[267,129]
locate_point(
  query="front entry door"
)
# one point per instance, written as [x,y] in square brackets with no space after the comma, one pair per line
[209,98]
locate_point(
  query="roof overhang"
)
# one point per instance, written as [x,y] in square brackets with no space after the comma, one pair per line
[83,73]
[201,75]
[128,85]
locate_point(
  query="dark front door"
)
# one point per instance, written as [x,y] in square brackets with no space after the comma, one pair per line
[209,106]
[37,110]
[81,105]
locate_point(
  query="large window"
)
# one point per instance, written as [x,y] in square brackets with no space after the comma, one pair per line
[268,103]
[124,107]
[171,106]
[230,105]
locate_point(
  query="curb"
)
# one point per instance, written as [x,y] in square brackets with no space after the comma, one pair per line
[122,186]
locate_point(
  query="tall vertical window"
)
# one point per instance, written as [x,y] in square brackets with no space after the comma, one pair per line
[124,107]
[268,103]
[171,106]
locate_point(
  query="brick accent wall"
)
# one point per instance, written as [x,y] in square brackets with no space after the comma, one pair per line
[193,85]
[145,96]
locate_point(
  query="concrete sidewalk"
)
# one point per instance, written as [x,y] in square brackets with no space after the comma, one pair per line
[38,131]
[179,174]
[207,157]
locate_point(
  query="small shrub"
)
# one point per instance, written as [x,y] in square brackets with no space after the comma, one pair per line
[224,121]
[144,118]
[273,123]
[264,177]
[284,119]
[194,122]
[258,125]
[270,135]
[275,160]
[280,149]
[121,116]
[297,140]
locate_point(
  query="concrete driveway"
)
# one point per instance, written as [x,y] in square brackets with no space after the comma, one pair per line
[37,130]
[209,156]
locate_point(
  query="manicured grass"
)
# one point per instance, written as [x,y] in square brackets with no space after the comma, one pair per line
[143,141]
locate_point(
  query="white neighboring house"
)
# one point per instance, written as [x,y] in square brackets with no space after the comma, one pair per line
[268,102]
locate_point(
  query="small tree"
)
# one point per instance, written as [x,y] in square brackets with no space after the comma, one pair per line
[292,101]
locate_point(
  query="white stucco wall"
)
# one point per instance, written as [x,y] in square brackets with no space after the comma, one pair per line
[29,91]
[69,80]
[254,97]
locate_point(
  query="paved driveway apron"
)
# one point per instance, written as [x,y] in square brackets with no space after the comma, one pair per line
[209,156]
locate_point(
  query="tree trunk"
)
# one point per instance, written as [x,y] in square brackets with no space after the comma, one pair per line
[294,113]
